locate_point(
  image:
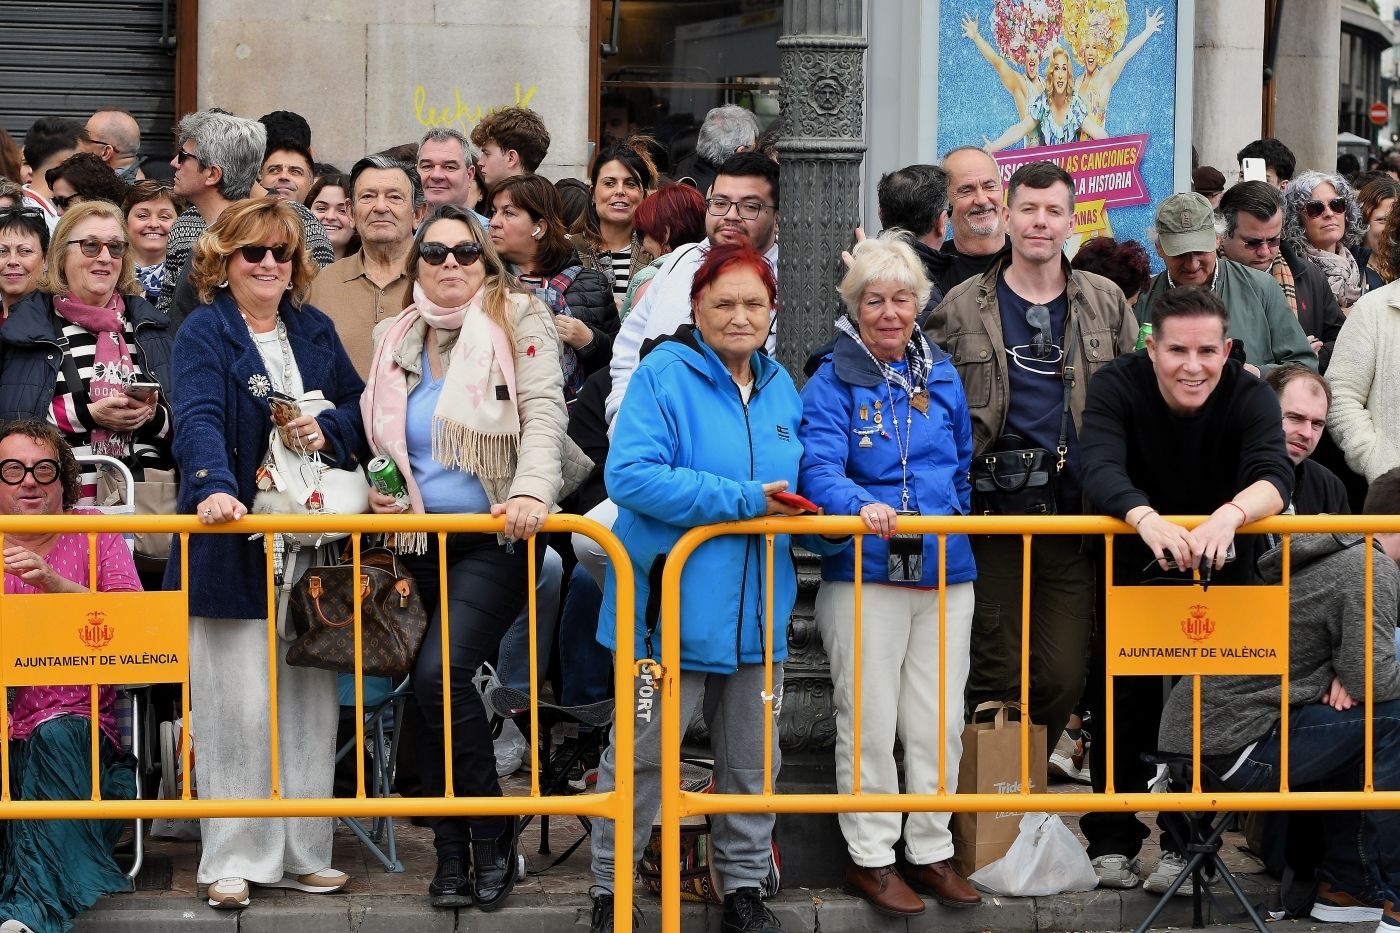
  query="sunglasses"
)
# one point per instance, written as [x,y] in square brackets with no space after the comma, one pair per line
[435,254]
[92,247]
[13,472]
[253,255]
[63,202]
[1042,342]
[181,155]
[1253,243]
[9,213]
[1335,205]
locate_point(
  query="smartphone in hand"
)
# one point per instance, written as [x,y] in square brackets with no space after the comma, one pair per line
[285,409]
[142,391]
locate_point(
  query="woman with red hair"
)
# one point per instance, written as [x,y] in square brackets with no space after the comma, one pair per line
[670,217]
[707,432]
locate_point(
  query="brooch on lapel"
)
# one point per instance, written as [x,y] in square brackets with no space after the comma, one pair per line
[259,385]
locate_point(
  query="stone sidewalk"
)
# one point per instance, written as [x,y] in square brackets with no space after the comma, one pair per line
[555,899]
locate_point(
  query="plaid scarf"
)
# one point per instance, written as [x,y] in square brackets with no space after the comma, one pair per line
[917,356]
[1284,276]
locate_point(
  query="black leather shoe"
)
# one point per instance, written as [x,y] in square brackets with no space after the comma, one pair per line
[450,887]
[495,869]
[602,919]
[744,912]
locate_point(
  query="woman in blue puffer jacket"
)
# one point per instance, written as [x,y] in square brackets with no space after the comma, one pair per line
[885,432]
[708,433]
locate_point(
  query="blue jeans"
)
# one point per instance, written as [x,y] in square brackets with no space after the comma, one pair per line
[584,665]
[1361,848]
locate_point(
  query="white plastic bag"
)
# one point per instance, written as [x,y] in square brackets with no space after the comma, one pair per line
[1045,859]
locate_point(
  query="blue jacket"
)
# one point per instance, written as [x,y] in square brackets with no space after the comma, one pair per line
[686,451]
[838,403]
[221,431]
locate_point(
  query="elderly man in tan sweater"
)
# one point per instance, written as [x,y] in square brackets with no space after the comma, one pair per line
[370,286]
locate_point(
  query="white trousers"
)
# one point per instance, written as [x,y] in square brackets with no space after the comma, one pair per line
[229,690]
[899,698]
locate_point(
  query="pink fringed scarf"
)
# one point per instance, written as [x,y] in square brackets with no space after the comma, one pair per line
[474,429]
[111,364]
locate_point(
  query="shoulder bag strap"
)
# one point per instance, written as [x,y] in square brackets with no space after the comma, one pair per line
[1067,377]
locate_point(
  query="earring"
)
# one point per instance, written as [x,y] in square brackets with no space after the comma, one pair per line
[223,284]
[289,285]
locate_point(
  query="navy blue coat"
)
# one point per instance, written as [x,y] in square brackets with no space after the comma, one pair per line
[221,431]
[31,353]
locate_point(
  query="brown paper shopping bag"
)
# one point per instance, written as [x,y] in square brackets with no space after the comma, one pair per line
[991,764]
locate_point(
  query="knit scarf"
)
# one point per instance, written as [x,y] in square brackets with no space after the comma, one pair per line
[1343,274]
[917,355]
[111,365]
[476,425]
[1284,276]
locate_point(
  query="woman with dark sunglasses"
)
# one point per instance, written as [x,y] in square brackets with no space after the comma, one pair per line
[251,337]
[465,397]
[70,350]
[1322,219]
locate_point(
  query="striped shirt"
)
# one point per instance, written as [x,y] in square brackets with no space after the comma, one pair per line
[621,260]
[149,446]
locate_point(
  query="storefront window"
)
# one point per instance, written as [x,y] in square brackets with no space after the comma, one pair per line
[677,59]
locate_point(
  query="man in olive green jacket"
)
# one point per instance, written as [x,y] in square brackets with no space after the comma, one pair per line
[1007,332]
[1185,236]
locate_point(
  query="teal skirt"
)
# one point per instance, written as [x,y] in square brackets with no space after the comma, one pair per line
[53,870]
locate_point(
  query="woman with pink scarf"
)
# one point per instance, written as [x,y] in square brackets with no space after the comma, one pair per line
[466,396]
[75,352]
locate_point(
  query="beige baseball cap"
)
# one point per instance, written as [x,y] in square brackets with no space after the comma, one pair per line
[1186,224]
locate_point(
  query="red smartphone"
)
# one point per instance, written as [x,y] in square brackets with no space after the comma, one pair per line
[796,501]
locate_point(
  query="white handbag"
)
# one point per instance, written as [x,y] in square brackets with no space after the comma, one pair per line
[304,484]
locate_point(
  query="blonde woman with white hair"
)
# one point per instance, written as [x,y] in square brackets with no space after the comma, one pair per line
[885,434]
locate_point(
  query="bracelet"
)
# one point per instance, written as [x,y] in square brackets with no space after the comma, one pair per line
[1143,516]
[1244,517]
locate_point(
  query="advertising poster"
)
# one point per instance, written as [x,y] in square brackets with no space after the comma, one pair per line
[1088,84]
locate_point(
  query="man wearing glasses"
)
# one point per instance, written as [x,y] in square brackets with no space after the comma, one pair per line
[1186,239]
[1253,215]
[217,163]
[743,205]
[1007,331]
[115,137]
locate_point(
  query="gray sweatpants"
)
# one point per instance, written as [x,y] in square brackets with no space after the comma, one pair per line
[734,712]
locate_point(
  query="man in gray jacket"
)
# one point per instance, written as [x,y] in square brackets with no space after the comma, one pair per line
[1327,685]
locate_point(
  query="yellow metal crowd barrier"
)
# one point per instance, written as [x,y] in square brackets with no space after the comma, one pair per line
[1131,613]
[117,638]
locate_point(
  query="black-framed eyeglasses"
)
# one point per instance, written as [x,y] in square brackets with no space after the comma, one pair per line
[1335,205]
[92,247]
[1253,243]
[13,472]
[103,142]
[181,155]
[65,201]
[253,254]
[1042,341]
[748,210]
[435,254]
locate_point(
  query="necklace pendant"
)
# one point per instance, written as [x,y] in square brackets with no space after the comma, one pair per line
[879,419]
[865,441]
[919,400]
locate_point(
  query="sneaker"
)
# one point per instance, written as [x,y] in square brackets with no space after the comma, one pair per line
[1333,905]
[228,894]
[1067,760]
[602,920]
[325,881]
[1168,867]
[17,926]
[1117,871]
[744,912]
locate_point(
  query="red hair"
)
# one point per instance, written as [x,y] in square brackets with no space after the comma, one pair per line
[674,215]
[726,257]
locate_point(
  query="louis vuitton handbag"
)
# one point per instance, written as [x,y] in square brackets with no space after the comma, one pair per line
[322,614]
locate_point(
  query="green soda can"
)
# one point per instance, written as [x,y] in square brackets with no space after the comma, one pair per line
[387,481]
[1144,332]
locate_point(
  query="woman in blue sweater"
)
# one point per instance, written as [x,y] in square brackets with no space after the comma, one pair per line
[885,432]
[707,433]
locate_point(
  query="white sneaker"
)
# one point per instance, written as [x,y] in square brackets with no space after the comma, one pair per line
[14,926]
[325,881]
[1117,871]
[228,894]
[1165,873]
[1067,761]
